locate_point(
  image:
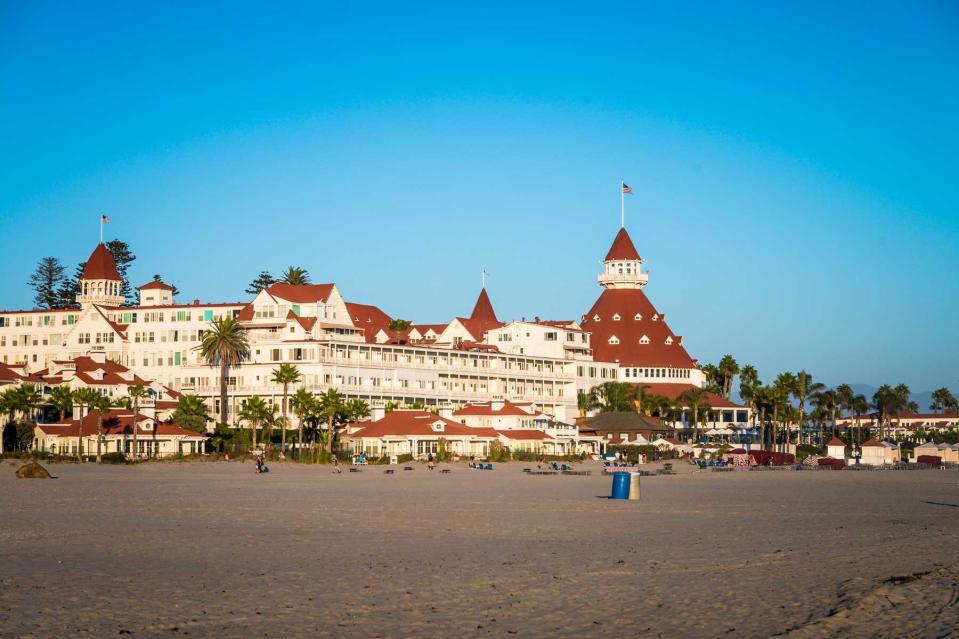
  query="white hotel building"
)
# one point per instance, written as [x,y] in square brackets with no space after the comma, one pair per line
[349,346]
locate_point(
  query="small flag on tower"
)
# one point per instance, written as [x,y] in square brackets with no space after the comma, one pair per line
[627,188]
[104,218]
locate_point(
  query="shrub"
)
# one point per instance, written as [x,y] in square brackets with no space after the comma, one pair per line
[805,450]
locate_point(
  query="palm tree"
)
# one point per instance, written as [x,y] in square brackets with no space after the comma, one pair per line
[286,374]
[858,406]
[390,406]
[749,384]
[101,405]
[803,388]
[303,405]
[255,411]
[136,392]
[941,399]
[844,397]
[192,413]
[224,344]
[81,398]
[826,401]
[330,403]
[295,275]
[62,401]
[694,399]
[356,410]
[781,389]
[586,401]
[615,397]
[713,378]
[728,369]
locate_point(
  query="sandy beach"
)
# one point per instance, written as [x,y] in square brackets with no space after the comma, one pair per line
[211,549]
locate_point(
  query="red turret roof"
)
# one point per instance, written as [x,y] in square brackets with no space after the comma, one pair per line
[155,284]
[622,248]
[635,313]
[483,309]
[100,265]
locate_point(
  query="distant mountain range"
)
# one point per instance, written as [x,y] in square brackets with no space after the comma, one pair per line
[923,398]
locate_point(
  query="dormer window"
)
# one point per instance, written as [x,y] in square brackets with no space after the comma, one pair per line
[655,316]
[669,340]
[614,340]
[438,427]
[616,317]
[638,317]
[644,340]
[595,318]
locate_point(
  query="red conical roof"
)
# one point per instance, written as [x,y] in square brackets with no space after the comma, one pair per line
[100,265]
[483,310]
[622,248]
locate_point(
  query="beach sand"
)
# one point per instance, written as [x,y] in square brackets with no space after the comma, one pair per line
[212,549]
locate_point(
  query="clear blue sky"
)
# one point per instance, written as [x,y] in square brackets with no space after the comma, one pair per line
[794,165]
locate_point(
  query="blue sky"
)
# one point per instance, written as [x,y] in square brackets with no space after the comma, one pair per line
[793,164]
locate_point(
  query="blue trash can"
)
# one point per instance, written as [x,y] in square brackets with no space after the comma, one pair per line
[620,486]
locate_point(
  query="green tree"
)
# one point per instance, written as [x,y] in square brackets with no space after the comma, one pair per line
[696,401]
[255,412]
[780,392]
[285,374]
[827,402]
[191,413]
[123,257]
[295,275]
[586,401]
[728,368]
[713,378]
[262,281]
[390,407]
[61,399]
[330,405]
[46,280]
[615,397]
[748,385]
[356,410]
[225,345]
[803,388]
[399,324]
[304,405]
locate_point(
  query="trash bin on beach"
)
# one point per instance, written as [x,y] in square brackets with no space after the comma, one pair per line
[634,486]
[620,486]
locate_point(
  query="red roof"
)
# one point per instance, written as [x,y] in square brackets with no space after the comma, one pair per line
[672,391]
[872,443]
[486,409]
[100,265]
[622,248]
[835,441]
[524,434]
[628,303]
[86,367]
[418,423]
[117,421]
[370,318]
[478,327]
[300,293]
[155,284]
[483,309]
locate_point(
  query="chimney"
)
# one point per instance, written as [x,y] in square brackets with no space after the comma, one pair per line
[537,319]
[497,404]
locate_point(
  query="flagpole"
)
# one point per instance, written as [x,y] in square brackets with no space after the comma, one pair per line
[101,228]
[622,204]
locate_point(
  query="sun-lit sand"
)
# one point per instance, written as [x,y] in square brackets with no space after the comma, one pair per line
[211,549]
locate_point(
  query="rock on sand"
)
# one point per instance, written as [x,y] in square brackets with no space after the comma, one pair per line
[32,470]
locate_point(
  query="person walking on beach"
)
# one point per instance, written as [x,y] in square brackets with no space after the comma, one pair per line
[336,466]
[429,461]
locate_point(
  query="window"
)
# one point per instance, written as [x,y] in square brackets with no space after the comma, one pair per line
[616,317]
[638,317]
[595,318]
[296,309]
[614,340]
[669,340]
[655,316]
[208,316]
[550,337]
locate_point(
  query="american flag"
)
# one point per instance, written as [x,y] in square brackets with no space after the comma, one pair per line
[627,188]
[104,218]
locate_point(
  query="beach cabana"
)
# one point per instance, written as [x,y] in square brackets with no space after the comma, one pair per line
[836,448]
[928,449]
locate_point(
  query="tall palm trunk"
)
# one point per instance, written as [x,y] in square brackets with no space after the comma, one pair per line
[99,436]
[253,426]
[134,453]
[329,435]
[80,434]
[286,388]
[223,393]
[299,439]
